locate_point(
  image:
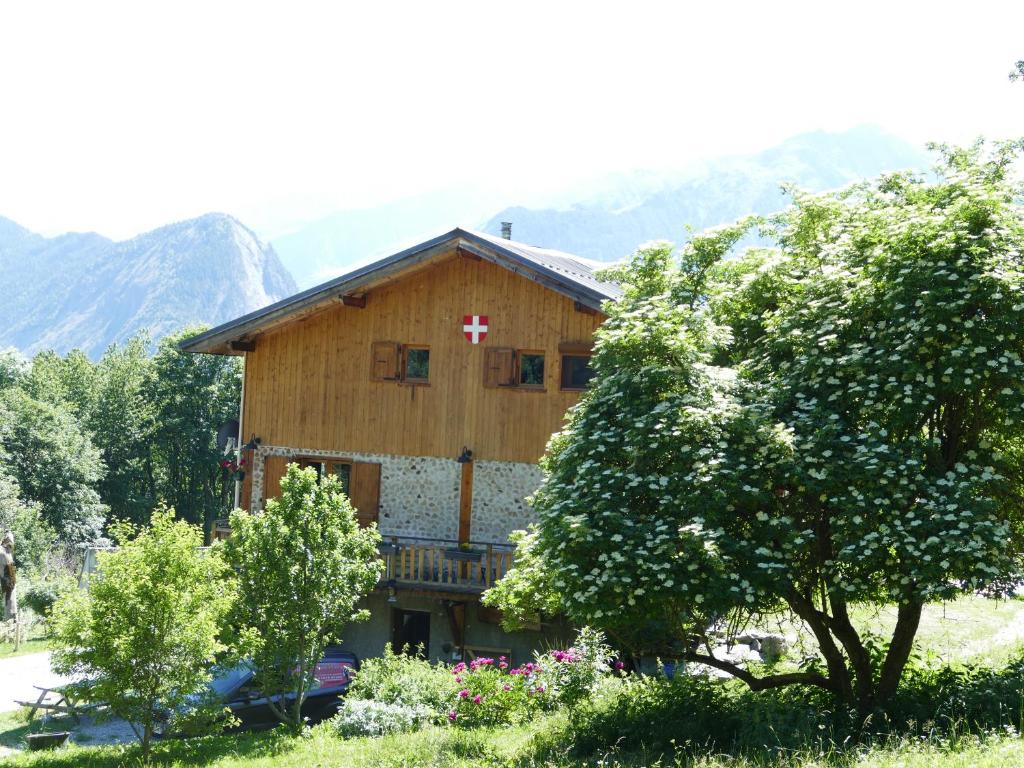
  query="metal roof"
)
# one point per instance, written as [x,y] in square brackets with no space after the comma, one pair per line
[570,275]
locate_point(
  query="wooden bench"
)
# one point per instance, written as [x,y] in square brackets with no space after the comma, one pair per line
[66,703]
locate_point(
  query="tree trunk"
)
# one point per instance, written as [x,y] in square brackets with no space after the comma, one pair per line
[908,618]
[838,672]
[841,626]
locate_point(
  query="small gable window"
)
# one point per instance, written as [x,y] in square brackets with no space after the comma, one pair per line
[407,363]
[531,369]
[512,368]
[417,365]
[576,371]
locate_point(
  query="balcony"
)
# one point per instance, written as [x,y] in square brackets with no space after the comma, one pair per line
[435,565]
[443,566]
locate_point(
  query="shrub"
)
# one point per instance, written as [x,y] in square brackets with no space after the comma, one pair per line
[302,565]
[572,675]
[145,633]
[492,693]
[366,717]
[405,680]
[41,595]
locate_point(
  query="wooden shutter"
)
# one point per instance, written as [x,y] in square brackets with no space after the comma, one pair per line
[364,491]
[245,497]
[274,468]
[499,367]
[384,365]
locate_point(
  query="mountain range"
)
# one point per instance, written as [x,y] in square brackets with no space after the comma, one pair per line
[86,291]
[612,225]
[606,217]
[81,290]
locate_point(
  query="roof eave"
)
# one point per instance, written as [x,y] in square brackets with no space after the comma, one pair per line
[218,340]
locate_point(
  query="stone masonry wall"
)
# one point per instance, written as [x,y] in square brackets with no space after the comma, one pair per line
[419,495]
[500,489]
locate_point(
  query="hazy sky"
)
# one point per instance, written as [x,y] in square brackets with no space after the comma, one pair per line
[122,117]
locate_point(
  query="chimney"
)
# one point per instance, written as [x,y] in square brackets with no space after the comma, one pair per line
[506,230]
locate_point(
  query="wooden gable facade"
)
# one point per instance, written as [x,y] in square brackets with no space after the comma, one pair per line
[317,382]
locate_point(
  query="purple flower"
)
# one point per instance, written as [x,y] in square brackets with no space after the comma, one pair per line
[452,715]
[540,689]
[506,687]
[620,665]
[477,699]
[463,694]
[458,679]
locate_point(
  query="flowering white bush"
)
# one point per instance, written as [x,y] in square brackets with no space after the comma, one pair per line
[834,420]
[366,717]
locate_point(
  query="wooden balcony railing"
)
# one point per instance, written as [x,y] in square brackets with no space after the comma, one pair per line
[442,566]
[433,564]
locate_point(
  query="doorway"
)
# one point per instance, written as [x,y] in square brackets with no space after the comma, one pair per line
[412,629]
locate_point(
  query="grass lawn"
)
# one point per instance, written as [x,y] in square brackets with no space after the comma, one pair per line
[498,747]
[32,645]
[969,629]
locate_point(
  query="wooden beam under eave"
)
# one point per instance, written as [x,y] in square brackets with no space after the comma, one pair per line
[351,300]
[242,346]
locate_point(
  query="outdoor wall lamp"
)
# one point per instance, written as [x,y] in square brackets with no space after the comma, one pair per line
[392,591]
[253,444]
[465,457]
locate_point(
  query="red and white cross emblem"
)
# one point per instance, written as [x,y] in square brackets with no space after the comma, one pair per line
[474,328]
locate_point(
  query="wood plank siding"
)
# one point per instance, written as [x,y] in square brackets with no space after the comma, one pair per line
[310,383]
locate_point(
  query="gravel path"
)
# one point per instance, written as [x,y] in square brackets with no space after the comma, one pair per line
[20,673]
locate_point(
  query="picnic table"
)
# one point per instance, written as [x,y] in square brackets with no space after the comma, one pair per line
[60,700]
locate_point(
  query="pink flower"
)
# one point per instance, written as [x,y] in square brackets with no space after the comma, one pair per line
[477,699]
[459,668]
[458,679]
[540,689]
[620,665]
[463,694]
[506,687]
[503,665]
[452,715]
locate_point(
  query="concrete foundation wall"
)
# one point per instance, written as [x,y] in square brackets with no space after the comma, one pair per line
[368,639]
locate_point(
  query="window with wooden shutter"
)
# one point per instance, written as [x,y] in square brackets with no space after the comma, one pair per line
[499,367]
[385,361]
[364,491]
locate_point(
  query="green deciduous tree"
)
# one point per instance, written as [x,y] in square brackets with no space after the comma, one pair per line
[13,367]
[32,536]
[303,564]
[49,454]
[147,630]
[833,421]
[191,396]
[70,381]
[123,425]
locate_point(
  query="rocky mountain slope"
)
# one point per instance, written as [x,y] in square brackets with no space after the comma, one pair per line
[83,290]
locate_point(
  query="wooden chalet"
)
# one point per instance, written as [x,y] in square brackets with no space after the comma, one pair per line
[429,382]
